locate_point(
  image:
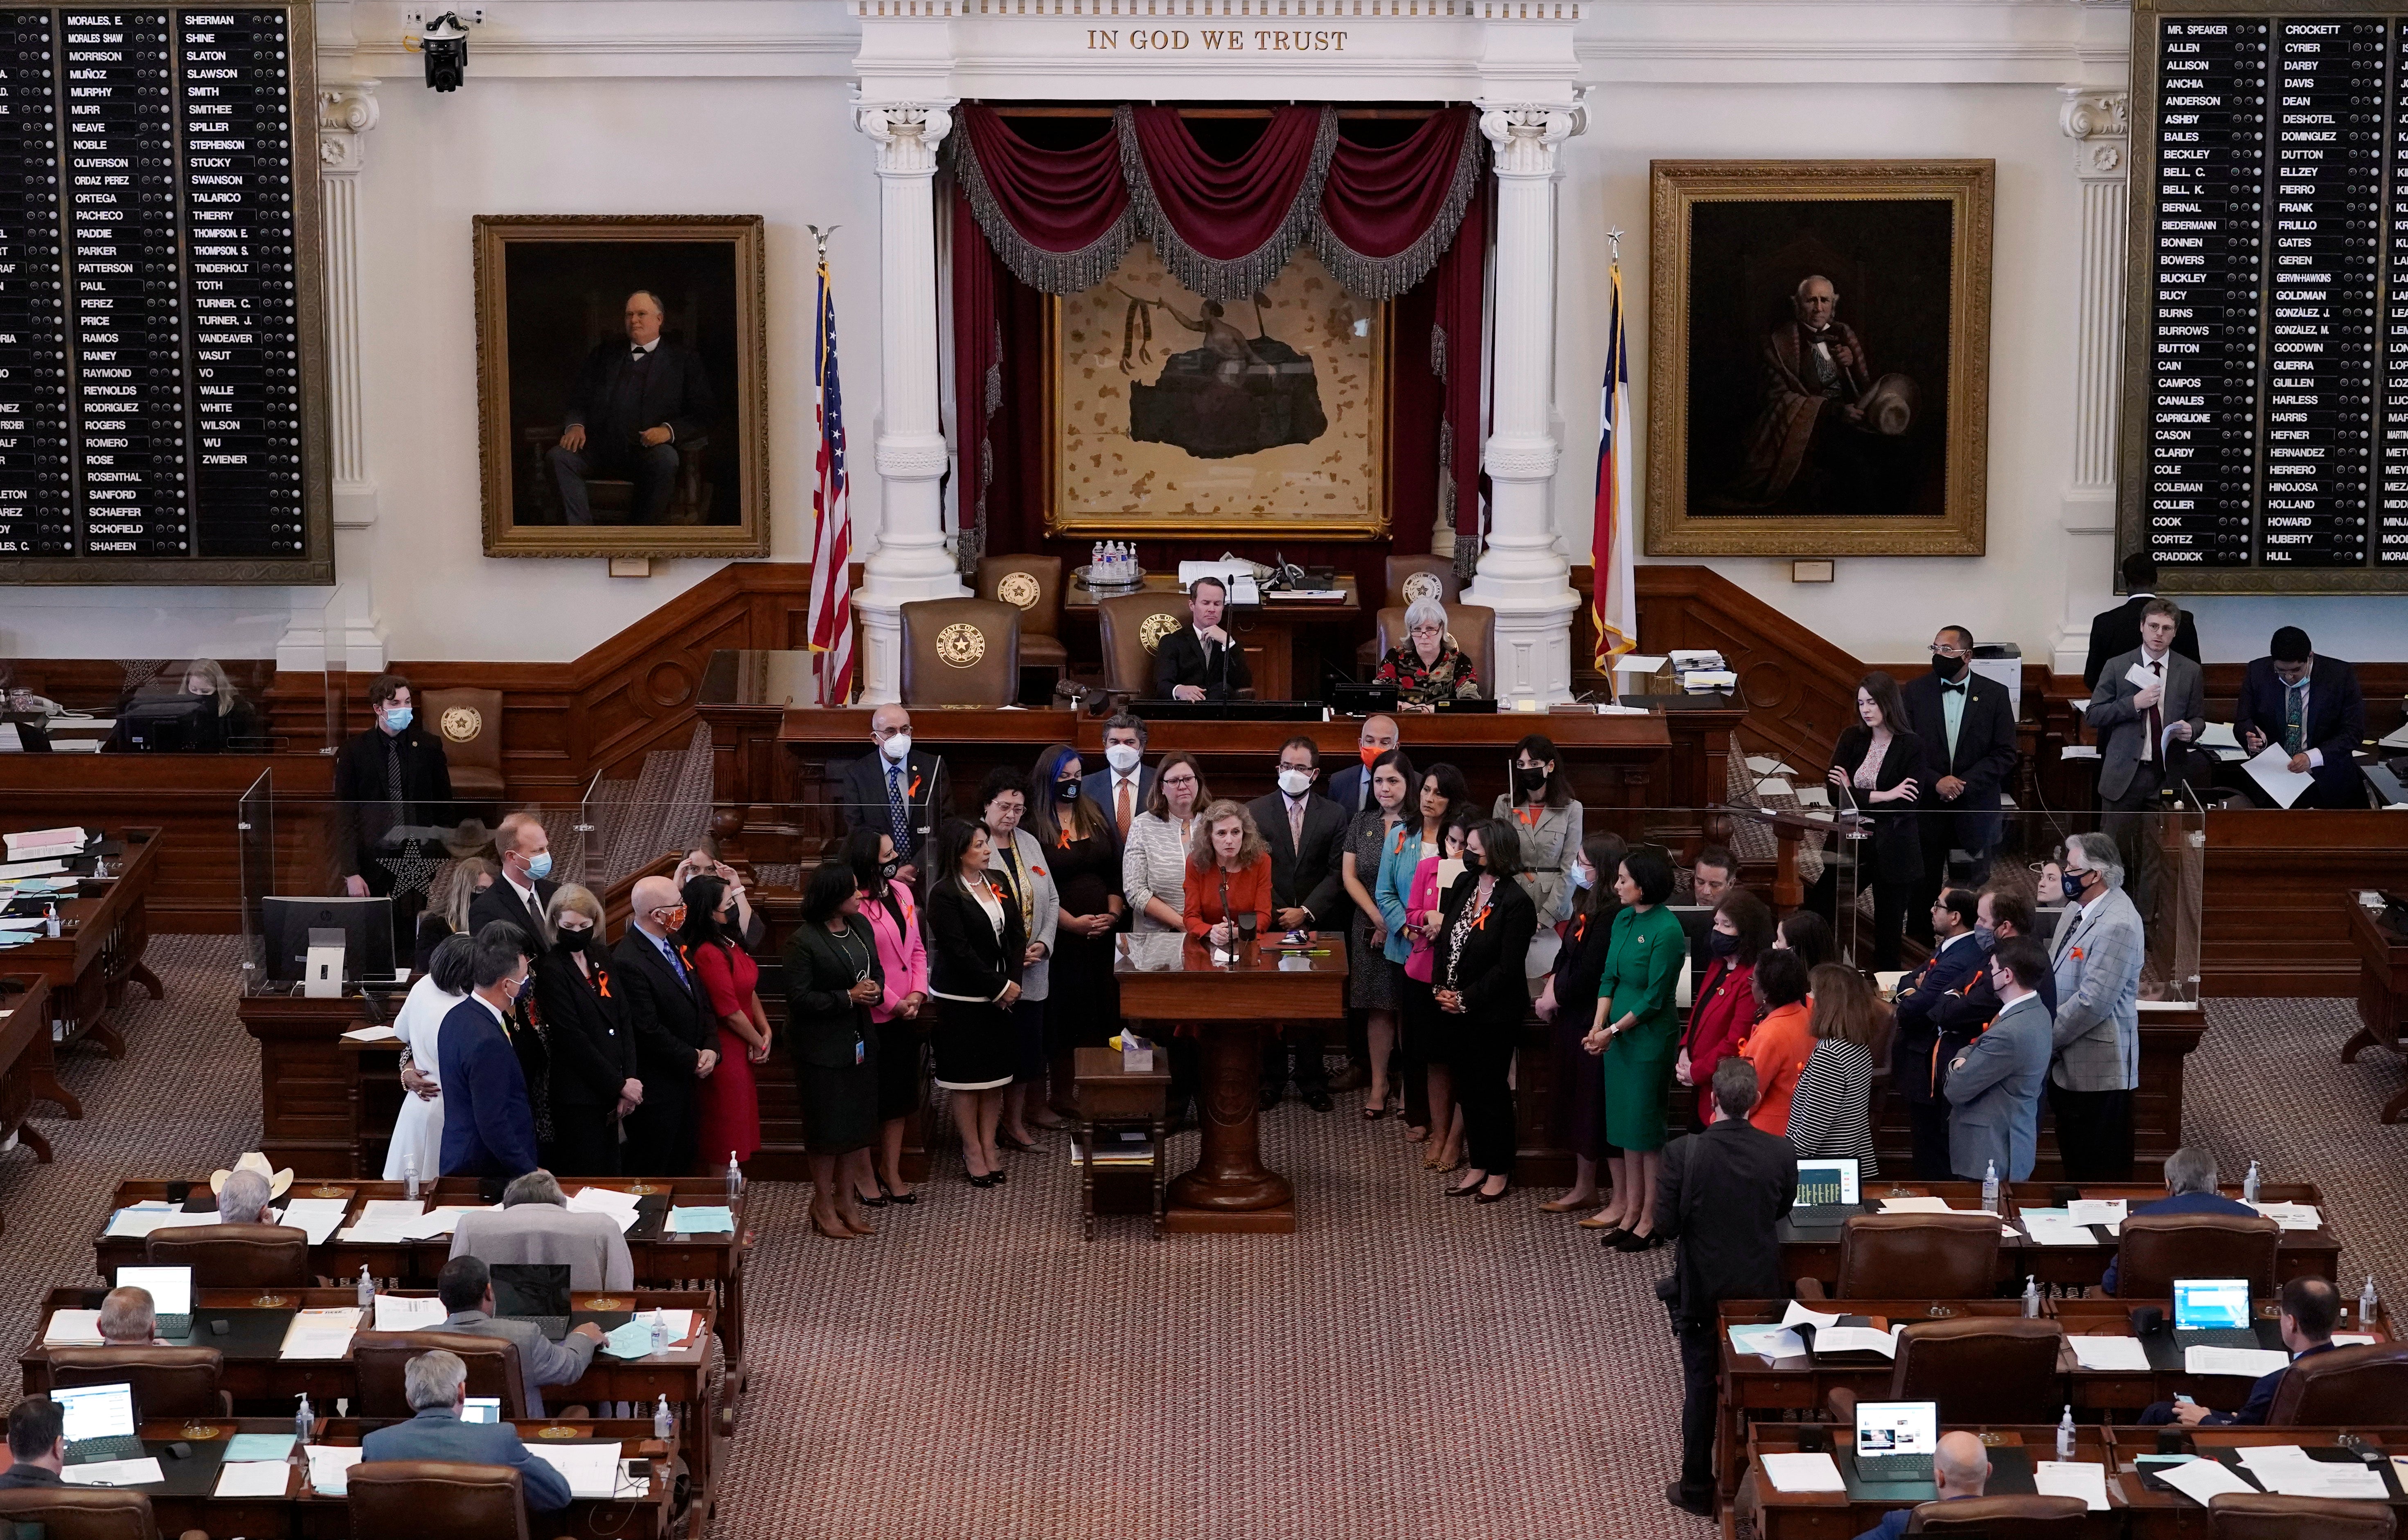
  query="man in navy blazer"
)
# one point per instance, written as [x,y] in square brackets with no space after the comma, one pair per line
[437,1384]
[1957,960]
[1125,770]
[2311,1306]
[2323,730]
[1967,727]
[1994,1086]
[488,1123]
[1350,788]
[2190,1189]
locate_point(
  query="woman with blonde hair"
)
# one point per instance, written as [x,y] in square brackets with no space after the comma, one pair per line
[462,883]
[233,718]
[1229,875]
[593,1082]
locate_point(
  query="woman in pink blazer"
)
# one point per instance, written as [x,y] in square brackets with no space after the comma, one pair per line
[894,916]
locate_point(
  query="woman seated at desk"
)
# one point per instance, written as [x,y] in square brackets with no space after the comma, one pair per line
[1428,667]
[196,709]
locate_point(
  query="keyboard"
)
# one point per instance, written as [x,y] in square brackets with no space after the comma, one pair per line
[93,1450]
[2215,1336]
[175,1326]
[552,1327]
[1893,1467]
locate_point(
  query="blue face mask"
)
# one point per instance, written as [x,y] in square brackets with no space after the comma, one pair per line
[540,867]
[2073,881]
[1581,876]
[399,717]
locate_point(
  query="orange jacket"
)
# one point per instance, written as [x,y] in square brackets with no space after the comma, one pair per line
[1779,1048]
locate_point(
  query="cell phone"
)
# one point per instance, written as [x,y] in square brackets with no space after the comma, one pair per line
[2181,1400]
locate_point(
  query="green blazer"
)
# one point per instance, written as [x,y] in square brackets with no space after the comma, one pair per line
[1643,973]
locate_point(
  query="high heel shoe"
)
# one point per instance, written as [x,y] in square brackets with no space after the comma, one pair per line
[1468,1190]
[1008,1142]
[878,1202]
[1630,1240]
[988,1180]
[838,1233]
[890,1195]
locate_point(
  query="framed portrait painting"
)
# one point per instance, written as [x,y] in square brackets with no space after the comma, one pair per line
[623,385]
[1171,413]
[1818,380]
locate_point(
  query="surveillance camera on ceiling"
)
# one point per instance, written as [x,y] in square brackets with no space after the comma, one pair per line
[445,44]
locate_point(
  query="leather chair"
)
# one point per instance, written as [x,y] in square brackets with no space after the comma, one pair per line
[1918,1256]
[1979,1369]
[1472,626]
[235,1256]
[960,652]
[1033,585]
[83,1513]
[2263,1516]
[1411,578]
[411,1499]
[2154,1249]
[378,1357]
[2027,1518]
[168,1381]
[469,723]
[1132,626]
[2365,1386]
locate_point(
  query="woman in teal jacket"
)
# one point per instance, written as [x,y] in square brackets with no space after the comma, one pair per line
[1638,1032]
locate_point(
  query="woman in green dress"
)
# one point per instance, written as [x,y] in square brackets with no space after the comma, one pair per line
[1638,1032]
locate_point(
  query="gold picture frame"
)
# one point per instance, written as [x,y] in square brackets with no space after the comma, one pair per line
[550,291]
[1741,461]
[1306,301]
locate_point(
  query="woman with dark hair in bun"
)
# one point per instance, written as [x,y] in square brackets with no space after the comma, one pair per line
[1637,1031]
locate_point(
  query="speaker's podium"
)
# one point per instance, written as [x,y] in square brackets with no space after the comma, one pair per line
[1229,1000]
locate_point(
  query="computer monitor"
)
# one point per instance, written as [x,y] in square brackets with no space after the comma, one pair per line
[1898,1428]
[367,924]
[482,1410]
[170,1288]
[2211,1305]
[164,724]
[530,1288]
[95,1411]
[1822,1183]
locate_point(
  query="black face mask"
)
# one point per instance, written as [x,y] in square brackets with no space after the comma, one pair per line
[1473,862]
[1530,778]
[1948,668]
[575,941]
[1722,943]
[886,870]
[1066,791]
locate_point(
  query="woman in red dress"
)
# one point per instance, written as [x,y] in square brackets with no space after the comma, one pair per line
[728,1105]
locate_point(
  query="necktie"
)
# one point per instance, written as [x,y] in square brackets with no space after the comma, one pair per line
[669,951]
[898,808]
[2295,716]
[638,355]
[2157,717]
[1124,807]
[400,807]
[1296,823]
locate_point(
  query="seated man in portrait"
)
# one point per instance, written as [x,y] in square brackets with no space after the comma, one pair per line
[633,403]
[1814,444]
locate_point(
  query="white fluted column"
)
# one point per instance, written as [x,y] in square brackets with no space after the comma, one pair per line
[2099,124]
[1523,575]
[909,560]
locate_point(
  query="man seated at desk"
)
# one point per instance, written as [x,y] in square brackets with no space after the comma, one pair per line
[244,1195]
[437,1384]
[37,1444]
[1961,1468]
[1200,661]
[129,1318]
[2314,708]
[466,1286]
[2310,1307]
[535,1225]
[2190,1189]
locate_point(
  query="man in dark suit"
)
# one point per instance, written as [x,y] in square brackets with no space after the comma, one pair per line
[1719,1195]
[37,1445]
[1967,727]
[526,886]
[1201,661]
[1956,959]
[899,790]
[2118,629]
[1307,833]
[676,1034]
[633,403]
[1126,783]
[2191,1188]
[437,1384]
[488,1121]
[389,780]
[2312,707]
[1960,1014]
[1350,788]
[2310,1306]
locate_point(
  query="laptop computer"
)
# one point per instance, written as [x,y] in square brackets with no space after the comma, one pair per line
[534,1291]
[481,1409]
[171,1295]
[2212,1313]
[1896,1439]
[98,1422]
[1828,1190]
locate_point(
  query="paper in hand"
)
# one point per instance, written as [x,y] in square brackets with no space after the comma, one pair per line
[2272,769]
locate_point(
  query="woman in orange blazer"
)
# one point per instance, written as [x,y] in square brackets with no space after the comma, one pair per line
[1783,1041]
[1228,873]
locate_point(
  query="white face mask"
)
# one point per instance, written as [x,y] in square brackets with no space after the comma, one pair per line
[1121,757]
[1294,782]
[897,748]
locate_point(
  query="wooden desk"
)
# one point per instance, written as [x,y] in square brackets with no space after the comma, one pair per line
[103,930]
[1279,637]
[2381,992]
[2127,1392]
[1170,982]
[2267,926]
[1770,1514]
[2156,1513]
[25,1059]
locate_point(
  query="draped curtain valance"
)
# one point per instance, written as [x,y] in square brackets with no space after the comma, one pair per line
[1060,219]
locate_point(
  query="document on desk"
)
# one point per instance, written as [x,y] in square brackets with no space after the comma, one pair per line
[31,868]
[115,1473]
[630,1339]
[1914,1205]
[142,1218]
[1856,1339]
[330,1467]
[591,1470]
[72,1329]
[2203,1480]
[701,1221]
[2288,1470]
[258,1447]
[2071,1478]
[2052,1227]
[385,1219]
[2121,1355]
[2272,769]
[1770,1343]
[319,1217]
[1803,1472]
[372,1034]
[441,1220]
[2293,1215]
[2245,1362]
[320,1334]
[2095,1210]
[621,1206]
[253,1479]
[1797,1315]
[402,1313]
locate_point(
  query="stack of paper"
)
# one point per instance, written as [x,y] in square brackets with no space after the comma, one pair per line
[115,1473]
[1914,1205]
[1797,1315]
[72,1329]
[1771,1341]
[372,1034]
[2120,1355]
[591,1470]
[319,1217]
[253,1479]
[620,1206]
[629,1339]
[702,1220]
[2203,1480]
[2292,1216]
[2053,1227]
[2287,1469]
[330,1468]
[1858,1339]
[2096,1210]
[385,1220]
[41,844]
[142,1218]
[441,1220]
[1804,1473]
[2071,1478]
[32,868]
[2246,1362]
[322,1334]
[401,1313]
[258,1447]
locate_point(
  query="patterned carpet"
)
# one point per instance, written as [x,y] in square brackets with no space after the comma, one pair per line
[1401,1366]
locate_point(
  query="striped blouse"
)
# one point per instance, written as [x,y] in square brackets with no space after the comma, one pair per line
[1830,1113]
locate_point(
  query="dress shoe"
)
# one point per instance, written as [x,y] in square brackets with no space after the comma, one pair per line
[1353,1077]
[1559,1205]
[1470,1191]
[1008,1142]
[1631,1241]
[1596,1222]
[1317,1098]
[1702,1507]
[988,1180]
[1494,1197]
[1270,1097]
[1611,1240]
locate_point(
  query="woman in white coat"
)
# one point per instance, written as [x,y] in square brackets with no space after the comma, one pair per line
[418,1133]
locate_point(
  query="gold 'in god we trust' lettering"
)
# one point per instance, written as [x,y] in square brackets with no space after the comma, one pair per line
[1232,41]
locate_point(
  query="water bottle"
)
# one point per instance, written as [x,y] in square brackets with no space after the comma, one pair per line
[368,1298]
[2367,1306]
[2031,1297]
[50,921]
[660,1333]
[663,1421]
[1096,563]
[1990,1188]
[735,1180]
[2249,1185]
[304,1425]
[2065,1434]
[410,1177]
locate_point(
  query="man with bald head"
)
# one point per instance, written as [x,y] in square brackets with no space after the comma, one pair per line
[634,401]
[676,1035]
[897,790]
[1960,1469]
[1350,788]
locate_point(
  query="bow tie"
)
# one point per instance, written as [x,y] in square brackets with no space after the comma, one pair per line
[638,355]
[1958,686]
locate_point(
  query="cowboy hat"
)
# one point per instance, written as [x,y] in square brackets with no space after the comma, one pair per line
[254,1161]
[469,837]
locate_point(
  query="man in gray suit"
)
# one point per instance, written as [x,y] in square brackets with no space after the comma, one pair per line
[2144,731]
[535,1224]
[2097,959]
[437,1384]
[466,1286]
[1993,1087]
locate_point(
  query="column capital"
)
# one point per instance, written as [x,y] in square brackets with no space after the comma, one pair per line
[2100,123]
[907,133]
[347,110]
[1524,134]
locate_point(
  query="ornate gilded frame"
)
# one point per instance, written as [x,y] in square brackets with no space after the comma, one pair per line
[1676,188]
[493,234]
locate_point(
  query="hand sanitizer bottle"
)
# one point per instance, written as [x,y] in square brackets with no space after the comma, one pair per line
[1990,1188]
[304,1424]
[660,1333]
[2065,1434]
[50,921]
[410,1177]
[2031,1297]
[663,1421]
[2249,1185]
[735,1180]
[367,1300]
[2367,1306]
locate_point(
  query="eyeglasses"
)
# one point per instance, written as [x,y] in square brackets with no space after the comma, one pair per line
[1178,780]
[1948,653]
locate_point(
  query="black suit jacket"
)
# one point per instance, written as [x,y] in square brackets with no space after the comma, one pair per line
[2118,631]
[1314,876]
[1897,849]
[1489,968]
[360,788]
[674,392]
[501,902]
[2336,724]
[863,793]
[1985,740]
[1182,659]
[592,1052]
[967,960]
[670,1021]
[1719,1194]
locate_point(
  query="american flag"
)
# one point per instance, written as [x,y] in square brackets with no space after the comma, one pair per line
[831,638]
[1613,602]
